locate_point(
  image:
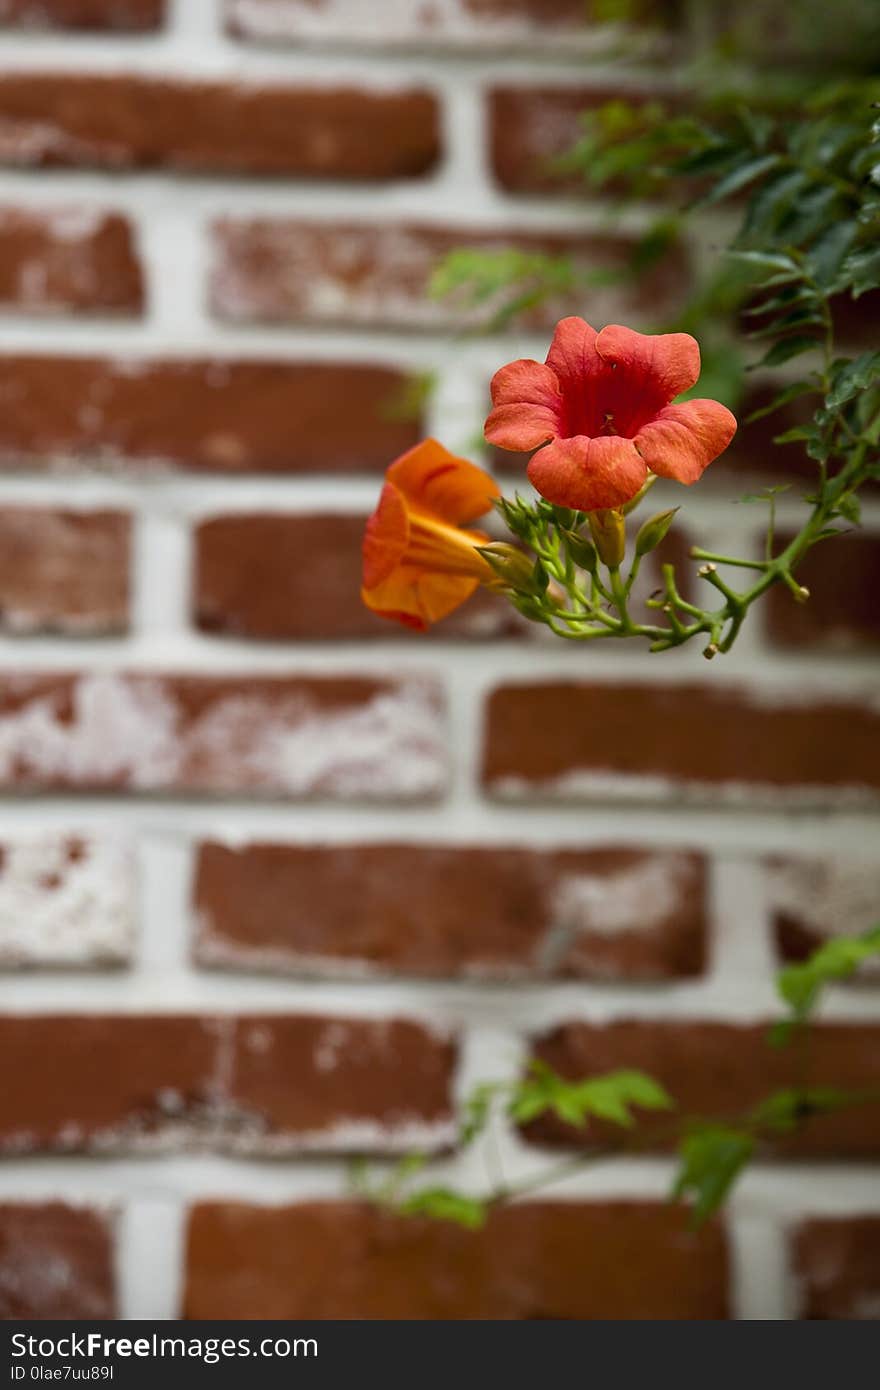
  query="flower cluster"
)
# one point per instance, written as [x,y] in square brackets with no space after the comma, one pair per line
[600,418]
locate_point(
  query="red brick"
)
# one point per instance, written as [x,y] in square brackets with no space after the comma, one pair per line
[682,742]
[334,736]
[64,571]
[56,1261]
[203,415]
[66,900]
[259,1085]
[502,23]
[531,127]
[74,1083]
[138,122]
[135,15]
[842,614]
[341,1084]
[836,1264]
[720,1070]
[451,911]
[68,260]
[245,584]
[812,900]
[539,1260]
[279,271]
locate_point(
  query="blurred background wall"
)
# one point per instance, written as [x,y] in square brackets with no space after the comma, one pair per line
[277,882]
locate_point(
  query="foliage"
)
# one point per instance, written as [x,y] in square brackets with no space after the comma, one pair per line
[712,1153]
[805,183]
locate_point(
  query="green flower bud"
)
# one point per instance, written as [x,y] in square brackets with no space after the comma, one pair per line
[653,531]
[582,551]
[609,532]
[514,568]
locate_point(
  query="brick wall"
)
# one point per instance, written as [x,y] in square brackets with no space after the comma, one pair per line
[275,881]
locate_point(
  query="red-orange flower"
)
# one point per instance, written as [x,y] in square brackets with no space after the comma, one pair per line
[601,408]
[419,561]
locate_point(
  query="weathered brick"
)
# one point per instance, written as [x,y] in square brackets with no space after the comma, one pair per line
[537,1260]
[66,900]
[282,270]
[333,736]
[842,613]
[56,1261]
[448,911]
[138,122]
[246,585]
[518,24]
[138,16]
[341,1084]
[531,127]
[74,1083]
[813,900]
[70,259]
[265,1085]
[685,742]
[203,415]
[836,1265]
[721,1070]
[64,571]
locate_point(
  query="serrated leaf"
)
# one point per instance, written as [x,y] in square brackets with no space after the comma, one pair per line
[711,1158]
[800,985]
[767,260]
[610,1097]
[852,377]
[791,393]
[739,177]
[444,1204]
[786,349]
[850,509]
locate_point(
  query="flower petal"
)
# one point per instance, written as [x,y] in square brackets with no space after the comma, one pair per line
[573,356]
[588,474]
[662,365]
[386,536]
[685,438]
[528,406]
[431,479]
[416,599]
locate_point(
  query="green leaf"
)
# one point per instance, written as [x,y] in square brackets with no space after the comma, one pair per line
[786,349]
[791,393]
[783,1111]
[768,260]
[712,1158]
[444,1204]
[610,1097]
[850,508]
[800,985]
[739,177]
[852,377]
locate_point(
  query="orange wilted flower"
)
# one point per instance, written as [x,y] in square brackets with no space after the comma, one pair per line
[601,408]
[420,562]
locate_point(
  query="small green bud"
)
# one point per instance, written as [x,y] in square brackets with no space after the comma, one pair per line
[609,532]
[653,531]
[582,551]
[514,568]
[564,517]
